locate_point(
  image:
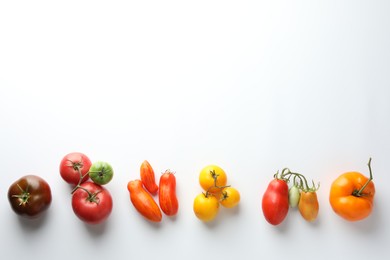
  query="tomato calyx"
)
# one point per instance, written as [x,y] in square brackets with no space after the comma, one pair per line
[224,196]
[215,177]
[75,165]
[92,197]
[23,197]
[359,193]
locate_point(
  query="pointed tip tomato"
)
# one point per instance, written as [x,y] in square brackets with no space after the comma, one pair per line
[148,178]
[143,201]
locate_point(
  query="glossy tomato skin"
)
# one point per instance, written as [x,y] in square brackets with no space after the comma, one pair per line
[92,211]
[275,202]
[167,194]
[143,201]
[101,173]
[347,205]
[148,178]
[308,205]
[207,181]
[230,197]
[70,166]
[30,196]
[206,207]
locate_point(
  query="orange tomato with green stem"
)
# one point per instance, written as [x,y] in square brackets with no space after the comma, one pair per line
[352,195]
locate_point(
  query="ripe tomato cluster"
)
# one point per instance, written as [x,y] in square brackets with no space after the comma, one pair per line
[279,197]
[213,179]
[91,202]
[351,194]
[141,192]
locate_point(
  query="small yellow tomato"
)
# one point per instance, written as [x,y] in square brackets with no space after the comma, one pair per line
[206,207]
[230,197]
[211,176]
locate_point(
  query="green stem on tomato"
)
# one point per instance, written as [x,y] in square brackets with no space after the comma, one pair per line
[78,184]
[24,197]
[302,179]
[215,177]
[358,193]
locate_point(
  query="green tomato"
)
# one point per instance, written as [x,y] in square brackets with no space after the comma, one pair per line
[293,196]
[101,173]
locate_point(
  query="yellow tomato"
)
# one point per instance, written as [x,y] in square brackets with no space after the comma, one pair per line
[206,207]
[230,197]
[211,176]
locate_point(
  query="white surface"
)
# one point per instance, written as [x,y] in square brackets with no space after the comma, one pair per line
[253,86]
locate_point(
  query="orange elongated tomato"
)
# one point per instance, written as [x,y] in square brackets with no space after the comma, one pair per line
[167,194]
[143,201]
[308,205]
[147,177]
[347,201]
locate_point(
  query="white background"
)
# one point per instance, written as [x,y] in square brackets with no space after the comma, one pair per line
[253,86]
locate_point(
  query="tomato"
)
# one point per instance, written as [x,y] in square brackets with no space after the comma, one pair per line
[206,207]
[211,176]
[293,196]
[167,194]
[275,201]
[74,165]
[92,203]
[230,197]
[101,173]
[352,195]
[147,177]
[143,201]
[29,196]
[308,205]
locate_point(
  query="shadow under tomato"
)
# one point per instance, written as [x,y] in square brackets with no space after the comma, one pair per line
[372,224]
[96,230]
[170,218]
[33,224]
[223,215]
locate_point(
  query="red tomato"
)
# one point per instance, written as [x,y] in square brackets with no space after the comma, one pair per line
[143,201]
[92,203]
[74,165]
[167,194]
[147,177]
[275,202]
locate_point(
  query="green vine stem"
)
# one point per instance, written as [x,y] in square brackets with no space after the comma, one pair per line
[359,193]
[215,177]
[92,197]
[298,179]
